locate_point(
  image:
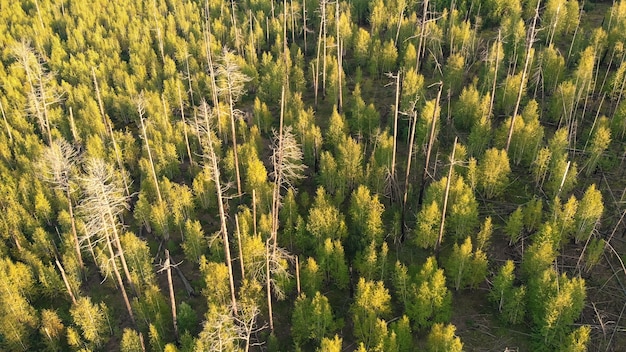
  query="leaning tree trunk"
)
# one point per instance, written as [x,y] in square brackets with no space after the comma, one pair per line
[215,171]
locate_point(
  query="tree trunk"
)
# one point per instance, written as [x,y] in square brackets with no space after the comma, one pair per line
[75,137]
[531,37]
[6,123]
[168,268]
[119,280]
[231,104]
[241,264]
[395,128]
[220,202]
[182,116]
[495,73]
[118,244]
[421,42]
[268,285]
[145,138]
[408,170]
[431,139]
[74,234]
[445,201]
[339,59]
[67,284]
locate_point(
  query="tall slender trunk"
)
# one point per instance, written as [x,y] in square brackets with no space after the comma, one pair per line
[118,244]
[182,116]
[220,203]
[152,169]
[209,57]
[109,128]
[531,38]
[408,169]
[6,122]
[75,137]
[495,73]
[445,199]
[241,264]
[119,280]
[268,285]
[339,59]
[395,128]
[231,104]
[67,284]
[421,42]
[168,269]
[431,139]
[79,256]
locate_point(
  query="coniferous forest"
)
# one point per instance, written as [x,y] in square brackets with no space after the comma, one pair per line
[313,175]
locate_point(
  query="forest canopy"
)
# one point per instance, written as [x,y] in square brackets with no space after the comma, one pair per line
[312,175]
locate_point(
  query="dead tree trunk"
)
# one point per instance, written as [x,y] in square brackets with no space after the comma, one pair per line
[182,116]
[445,198]
[215,171]
[140,109]
[531,39]
[168,268]
[431,139]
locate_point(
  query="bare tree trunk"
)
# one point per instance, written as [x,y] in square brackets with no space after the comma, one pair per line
[339,58]
[235,27]
[67,284]
[298,274]
[254,210]
[241,264]
[408,169]
[268,285]
[495,73]
[119,280]
[168,269]
[74,234]
[118,244]
[109,130]
[6,122]
[430,144]
[445,198]
[220,202]
[395,127]
[324,32]
[531,38]
[212,76]
[182,116]
[234,135]
[75,137]
[158,31]
[304,28]
[421,42]
[140,108]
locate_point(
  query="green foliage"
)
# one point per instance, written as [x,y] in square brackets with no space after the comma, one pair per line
[371,302]
[464,267]
[312,319]
[429,299]
[92,321]
[130,341]
[366,214]
[494,172]
[442,338]
[514,225]
[330,345]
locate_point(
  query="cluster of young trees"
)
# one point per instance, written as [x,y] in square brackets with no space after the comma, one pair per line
[307,175]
